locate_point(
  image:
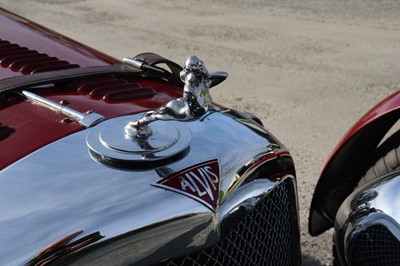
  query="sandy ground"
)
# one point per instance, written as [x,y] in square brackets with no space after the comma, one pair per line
[308,68]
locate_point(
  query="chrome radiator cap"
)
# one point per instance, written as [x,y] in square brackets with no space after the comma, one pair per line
[110,144]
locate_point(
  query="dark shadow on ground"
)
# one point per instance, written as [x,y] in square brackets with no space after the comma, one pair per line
[309,261]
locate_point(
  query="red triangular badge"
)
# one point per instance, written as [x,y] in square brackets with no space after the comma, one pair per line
[199,182]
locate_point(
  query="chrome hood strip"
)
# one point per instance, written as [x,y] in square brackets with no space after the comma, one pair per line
[86,120]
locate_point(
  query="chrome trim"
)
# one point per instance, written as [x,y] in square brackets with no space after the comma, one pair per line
[195,182]
[248,195]
[182,235]
[110,145]
[140,65]
[86,120]
[133,62]
[60,189]
[196,100]
[375,203]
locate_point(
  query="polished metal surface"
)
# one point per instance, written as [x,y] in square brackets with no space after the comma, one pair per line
[110,144]
[261,234]
[133,62]
[141,65]
[195,102]
[376,203]
[60,189]
[87,120]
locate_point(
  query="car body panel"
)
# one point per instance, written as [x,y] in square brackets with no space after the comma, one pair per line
[26,33]
[78,193]
[17,127]
[349,161]
[62,202]
[48,125]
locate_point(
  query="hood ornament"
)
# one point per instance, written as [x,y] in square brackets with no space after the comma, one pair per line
[156,138]
[195,102]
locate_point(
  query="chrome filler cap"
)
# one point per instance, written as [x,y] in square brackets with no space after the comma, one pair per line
[110,144]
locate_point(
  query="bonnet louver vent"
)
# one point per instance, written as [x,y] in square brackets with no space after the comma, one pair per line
[112,89]
[5,132]
[29,61]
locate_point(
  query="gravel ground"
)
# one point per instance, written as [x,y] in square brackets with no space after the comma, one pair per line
[308,68]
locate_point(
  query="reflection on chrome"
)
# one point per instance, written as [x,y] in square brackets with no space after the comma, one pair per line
[195,102]
[121,203]
[63,247]
[374,204]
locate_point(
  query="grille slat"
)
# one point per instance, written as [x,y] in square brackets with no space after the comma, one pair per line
[263,237]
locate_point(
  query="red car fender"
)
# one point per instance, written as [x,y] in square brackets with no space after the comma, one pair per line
[349,161]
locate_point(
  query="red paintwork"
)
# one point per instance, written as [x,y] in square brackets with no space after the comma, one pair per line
[269,157]
[23,32]
[35,126]
[349,159]
[386,106]
[199,182]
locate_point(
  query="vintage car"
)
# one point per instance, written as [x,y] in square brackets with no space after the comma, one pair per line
[108,162]
[358,192]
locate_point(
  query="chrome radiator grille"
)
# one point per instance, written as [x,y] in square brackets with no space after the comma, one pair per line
[376,245]
[263,237]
